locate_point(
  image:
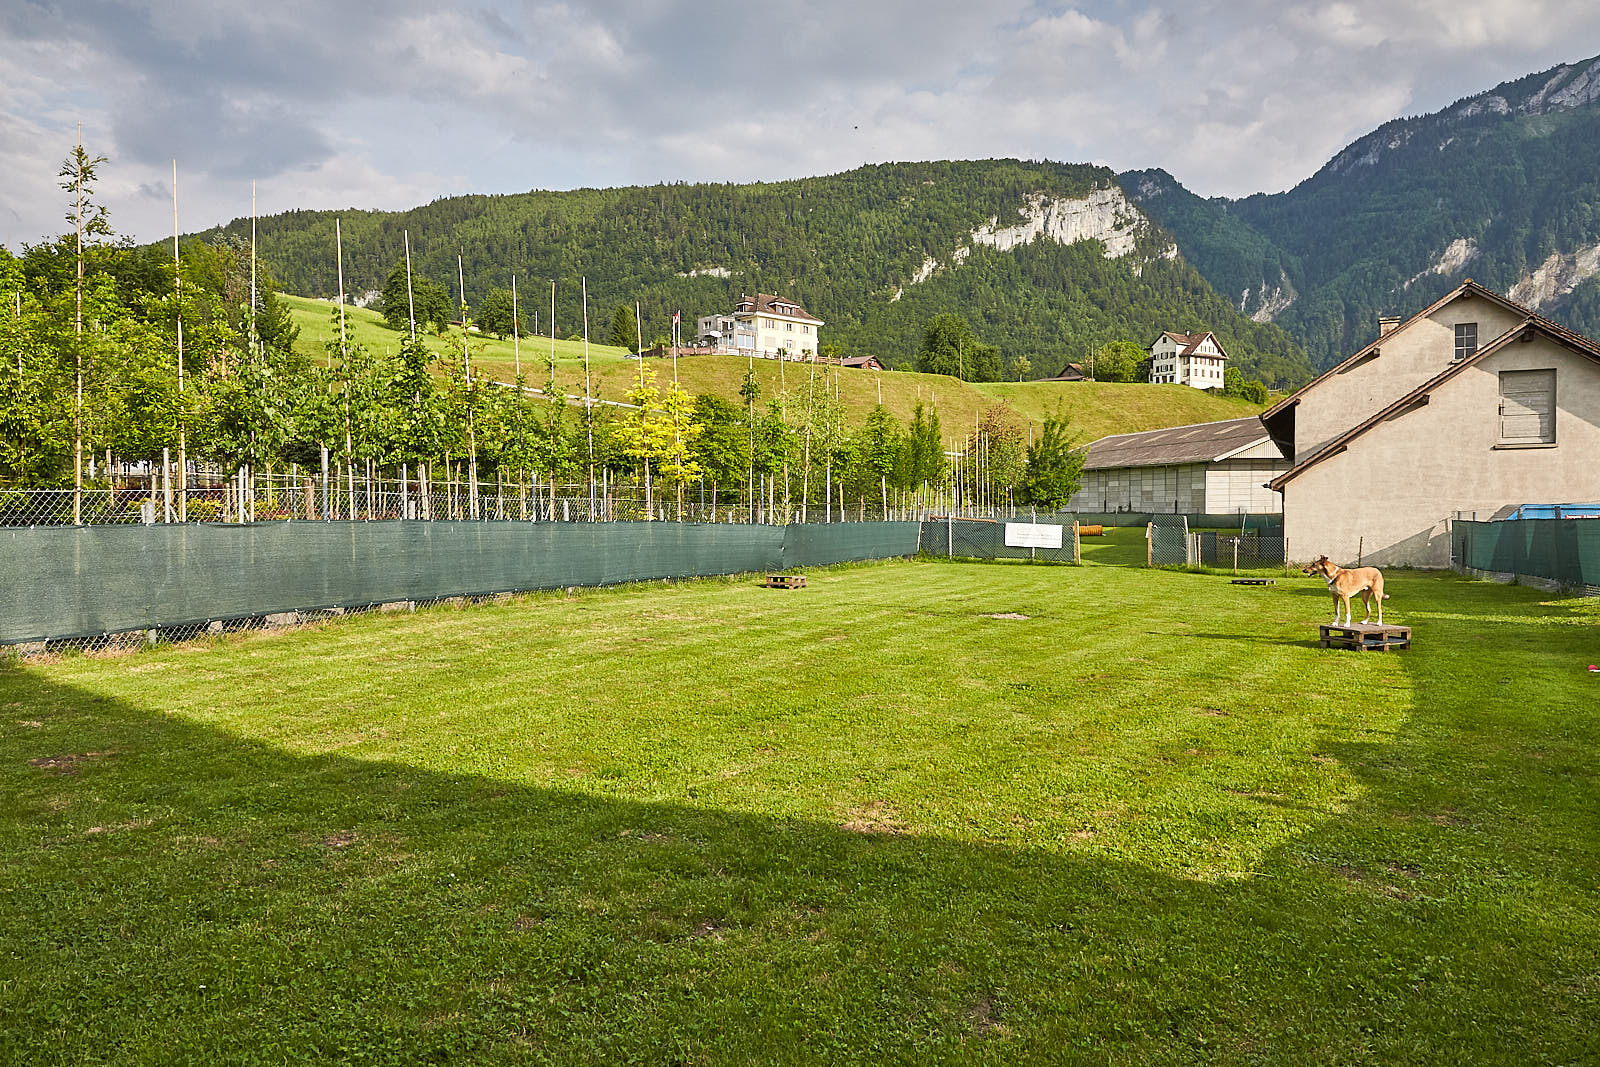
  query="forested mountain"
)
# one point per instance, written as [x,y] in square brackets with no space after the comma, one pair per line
[1503,187]
[1047,260]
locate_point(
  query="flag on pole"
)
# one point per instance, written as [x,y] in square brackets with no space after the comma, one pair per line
[676,316]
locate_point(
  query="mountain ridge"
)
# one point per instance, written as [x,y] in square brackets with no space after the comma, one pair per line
[1048,260]
[1499,184]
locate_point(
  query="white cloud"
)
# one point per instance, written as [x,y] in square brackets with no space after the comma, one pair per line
[393,103]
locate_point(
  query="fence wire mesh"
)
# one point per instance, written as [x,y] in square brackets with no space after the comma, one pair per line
[1250,550]
[1169,543]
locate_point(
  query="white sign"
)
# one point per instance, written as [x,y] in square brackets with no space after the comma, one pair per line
[1033,535]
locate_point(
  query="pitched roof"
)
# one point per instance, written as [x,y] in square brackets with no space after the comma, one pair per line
[768,304]
[1189,342]
[1204,442]
[1419,397]
[1467,287]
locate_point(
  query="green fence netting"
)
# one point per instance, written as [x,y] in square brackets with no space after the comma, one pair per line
[819,544]
[64,583]
[1563,550]
[982,539]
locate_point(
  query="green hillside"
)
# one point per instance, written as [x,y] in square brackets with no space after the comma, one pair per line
[1495,187]
[850,247]
[1095,408]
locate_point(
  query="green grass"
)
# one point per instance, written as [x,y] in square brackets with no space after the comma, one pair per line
[1095,408]
[863,822]
[366,327]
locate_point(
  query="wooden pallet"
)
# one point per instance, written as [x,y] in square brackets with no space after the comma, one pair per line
[1254,581]
[1366,636]
[786,581]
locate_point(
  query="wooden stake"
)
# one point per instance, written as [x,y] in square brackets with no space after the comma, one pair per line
[177,291]
[516,332]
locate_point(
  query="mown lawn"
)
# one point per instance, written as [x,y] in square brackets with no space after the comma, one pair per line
[862,822]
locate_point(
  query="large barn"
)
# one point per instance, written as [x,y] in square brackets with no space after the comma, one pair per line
[1473,404]
[1211,467]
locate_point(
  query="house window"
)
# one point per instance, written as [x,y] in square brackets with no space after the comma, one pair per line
[1466,339]
[1528,407]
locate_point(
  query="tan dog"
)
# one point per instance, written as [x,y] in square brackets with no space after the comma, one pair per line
[1345,583]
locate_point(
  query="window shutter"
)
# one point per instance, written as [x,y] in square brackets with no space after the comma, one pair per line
[1528,406]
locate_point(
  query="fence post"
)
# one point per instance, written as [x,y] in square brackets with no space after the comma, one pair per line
[950,536]
[325,513]
[1149,545]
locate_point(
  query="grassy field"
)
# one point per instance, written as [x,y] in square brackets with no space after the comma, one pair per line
[866,822]
[1095,408]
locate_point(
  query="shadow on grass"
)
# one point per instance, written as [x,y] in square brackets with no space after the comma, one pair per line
[174,893]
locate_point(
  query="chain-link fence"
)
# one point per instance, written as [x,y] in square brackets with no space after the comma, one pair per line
[291,496]
[1168,542]
[1239,551]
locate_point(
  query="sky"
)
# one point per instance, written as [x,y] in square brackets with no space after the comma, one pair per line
[389,104]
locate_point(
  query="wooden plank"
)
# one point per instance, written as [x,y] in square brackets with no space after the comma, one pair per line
[1365,636]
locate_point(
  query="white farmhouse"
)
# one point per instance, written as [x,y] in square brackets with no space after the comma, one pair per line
[763,325]
[1195,359]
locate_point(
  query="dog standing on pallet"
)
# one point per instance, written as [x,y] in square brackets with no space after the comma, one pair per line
[1347,582]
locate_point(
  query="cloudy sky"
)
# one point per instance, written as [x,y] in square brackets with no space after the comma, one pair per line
[394,103]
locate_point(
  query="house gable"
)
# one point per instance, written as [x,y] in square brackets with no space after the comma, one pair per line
[1397,362]
[1506,352]
[1385,490]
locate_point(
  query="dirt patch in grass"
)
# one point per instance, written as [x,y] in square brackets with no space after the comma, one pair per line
[67,762]
[342,839]
[983,1016]
[875,818]
[1006,615]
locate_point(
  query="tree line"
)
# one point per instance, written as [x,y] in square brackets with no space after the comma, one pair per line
[163,355]
[847,247]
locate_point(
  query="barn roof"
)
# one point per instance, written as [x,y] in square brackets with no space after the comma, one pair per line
[1204,442]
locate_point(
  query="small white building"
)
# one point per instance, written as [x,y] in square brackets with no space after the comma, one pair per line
[763,325]
[1214,468]
[1195,359]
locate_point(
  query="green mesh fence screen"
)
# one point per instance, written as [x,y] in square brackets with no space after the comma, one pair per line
[818,544]
[77,582]
[981,539]
[1563,550]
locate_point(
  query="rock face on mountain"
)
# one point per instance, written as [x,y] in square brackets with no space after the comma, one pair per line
[1501,185]
[1047,260]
